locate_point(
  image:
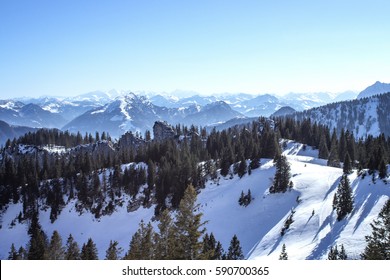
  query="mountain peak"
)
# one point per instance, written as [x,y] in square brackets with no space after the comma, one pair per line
[377,88]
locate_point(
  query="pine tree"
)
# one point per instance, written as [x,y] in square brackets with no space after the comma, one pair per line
[347,166]
[333,159]
[72,251]
[283,254]
[234,250]
[142,243]
[242,168]
[282,175]
[165,239]
[344,198]
[382,169]
[343,255]
[89,251]
[56,251]
[13,254]
[378,243]
[37,247]
[323,151]
[113,252]
[189,227]
[333,253]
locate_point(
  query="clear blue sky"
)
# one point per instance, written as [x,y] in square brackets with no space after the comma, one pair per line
[69,47]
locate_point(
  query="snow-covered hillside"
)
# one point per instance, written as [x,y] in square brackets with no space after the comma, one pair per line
[314,230]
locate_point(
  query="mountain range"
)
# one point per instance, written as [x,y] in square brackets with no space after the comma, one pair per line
[118,112]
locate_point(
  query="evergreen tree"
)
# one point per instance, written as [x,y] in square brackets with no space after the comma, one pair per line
[344,198]
[334,159]
[234,250]
[242,168]
[333,253]
[142,243]
[347,166]
[378,243]
[282,175]
[13,254]
[113,252]
[382,169]
[56,251]
[323,151]
[283,254]
[72,251]
[89,251]
[135,250]
[189,227]
[165,239]
[37,247]
[343,255]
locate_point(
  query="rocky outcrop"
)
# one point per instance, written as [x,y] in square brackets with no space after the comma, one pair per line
[163,131]
[129,140]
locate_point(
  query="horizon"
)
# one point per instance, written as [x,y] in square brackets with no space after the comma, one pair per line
[67,48]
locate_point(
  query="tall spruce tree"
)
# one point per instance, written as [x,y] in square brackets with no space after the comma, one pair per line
[72,251]
[113,252]
[165,239]
[333,159]
[189,227]
[234,250]
[347,165]
[56,251]
[282,175]
[37,247]
[344,199]
[89,251]
[378,243]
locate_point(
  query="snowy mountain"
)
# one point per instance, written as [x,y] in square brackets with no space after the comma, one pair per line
[137,113]
[363,117]
[32,115]
[313,231]
[377,88]
[284,111]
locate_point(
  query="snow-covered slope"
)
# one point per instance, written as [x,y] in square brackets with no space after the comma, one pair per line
[257,226]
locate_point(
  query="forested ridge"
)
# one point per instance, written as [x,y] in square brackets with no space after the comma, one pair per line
[97,172]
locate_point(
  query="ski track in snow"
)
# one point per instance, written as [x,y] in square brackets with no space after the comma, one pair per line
[257,226]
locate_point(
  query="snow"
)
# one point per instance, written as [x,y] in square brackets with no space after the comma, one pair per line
[257,226]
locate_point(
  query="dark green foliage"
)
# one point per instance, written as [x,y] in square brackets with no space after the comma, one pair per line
[234,250]
[89,251]
[189,227]
[347,165]
[323,151]
[343,201]
[334,159]
[212,250]
[287,223]
[378,243]
[113,252]
[335,254]
[165,239]
[382,169]
[246,199]
[283,254]
[55,250]
[242,168]
[37,247]
[72,250]
[282,175]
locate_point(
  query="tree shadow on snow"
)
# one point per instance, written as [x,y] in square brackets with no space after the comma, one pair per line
[326,242]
